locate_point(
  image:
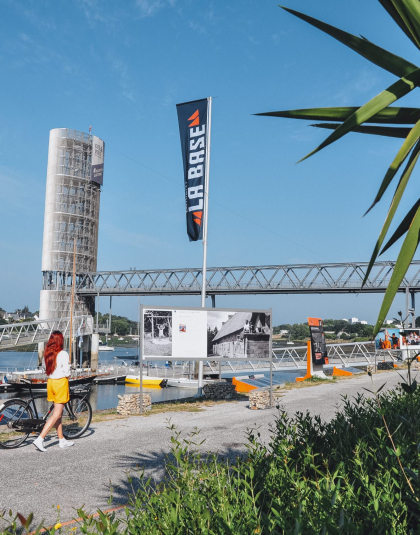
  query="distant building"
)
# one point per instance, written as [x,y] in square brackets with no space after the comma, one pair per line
[11,317]
[389,322]
[283,331]
[353,321]
[345,319]
[363,322]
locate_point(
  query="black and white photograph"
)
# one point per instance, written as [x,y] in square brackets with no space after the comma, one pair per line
[157,333]
[238,335]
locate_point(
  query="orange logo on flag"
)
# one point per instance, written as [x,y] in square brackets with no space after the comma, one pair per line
[199,216]
[195,118]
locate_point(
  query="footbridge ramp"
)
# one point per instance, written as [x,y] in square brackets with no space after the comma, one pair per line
[32,332]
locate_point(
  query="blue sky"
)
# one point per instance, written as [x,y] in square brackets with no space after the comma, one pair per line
[122,67]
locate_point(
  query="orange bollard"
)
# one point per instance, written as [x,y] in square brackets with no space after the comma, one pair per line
[308,364]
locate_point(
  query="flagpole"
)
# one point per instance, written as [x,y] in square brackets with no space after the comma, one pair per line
[205,219]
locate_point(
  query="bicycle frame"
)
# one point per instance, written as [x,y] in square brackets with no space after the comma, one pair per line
[38,423]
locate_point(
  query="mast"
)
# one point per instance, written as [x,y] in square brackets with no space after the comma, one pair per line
[72,303]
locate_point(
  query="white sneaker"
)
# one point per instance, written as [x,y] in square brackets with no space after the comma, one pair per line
[63,443]
[39,443]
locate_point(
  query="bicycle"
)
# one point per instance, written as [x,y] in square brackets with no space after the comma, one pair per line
[19,417]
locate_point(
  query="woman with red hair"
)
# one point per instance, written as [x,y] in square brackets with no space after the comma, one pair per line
[57,367]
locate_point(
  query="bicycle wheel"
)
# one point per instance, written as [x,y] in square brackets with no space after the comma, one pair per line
[82,411]
[13,413]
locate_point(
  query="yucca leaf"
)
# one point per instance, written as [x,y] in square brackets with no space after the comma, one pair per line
[392,11]
[401,266]
[409,11]
[402,154]
[395,91]
[402,228]
[389,115]
[394,205]
[387,131]
[377,55]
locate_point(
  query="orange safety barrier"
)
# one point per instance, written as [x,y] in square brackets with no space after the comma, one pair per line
[240,386]
[341,372]
[299,379]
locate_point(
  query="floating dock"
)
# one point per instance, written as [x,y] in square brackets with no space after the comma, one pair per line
[109,379]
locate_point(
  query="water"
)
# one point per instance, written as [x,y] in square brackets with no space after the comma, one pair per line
[106,396]
[22,360]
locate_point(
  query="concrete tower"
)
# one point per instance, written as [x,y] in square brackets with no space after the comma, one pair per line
[74,179]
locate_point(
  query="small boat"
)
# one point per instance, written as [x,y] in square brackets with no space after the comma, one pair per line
[41,384]
[104,347]
[184,383]
[289,341]
[7,387]
[147,381]
[108,379]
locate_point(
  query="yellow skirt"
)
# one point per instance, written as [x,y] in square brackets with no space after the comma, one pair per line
[58,390]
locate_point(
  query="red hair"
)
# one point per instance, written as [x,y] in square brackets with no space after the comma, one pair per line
[54,346]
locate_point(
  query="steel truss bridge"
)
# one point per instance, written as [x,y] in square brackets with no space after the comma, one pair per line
[330,278]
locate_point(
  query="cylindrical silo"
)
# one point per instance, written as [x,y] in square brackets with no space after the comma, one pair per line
[74,179]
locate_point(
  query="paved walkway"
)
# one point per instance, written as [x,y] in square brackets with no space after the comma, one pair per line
[32,481]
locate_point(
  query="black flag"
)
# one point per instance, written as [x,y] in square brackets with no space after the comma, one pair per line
[193,129]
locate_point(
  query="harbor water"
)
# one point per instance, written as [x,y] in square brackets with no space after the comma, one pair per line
[106,396]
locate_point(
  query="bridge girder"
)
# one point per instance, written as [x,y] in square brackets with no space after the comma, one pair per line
[328,278]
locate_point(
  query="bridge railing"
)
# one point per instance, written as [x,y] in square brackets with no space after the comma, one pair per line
[25,333]
[294,358]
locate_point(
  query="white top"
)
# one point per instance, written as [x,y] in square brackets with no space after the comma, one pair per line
[62,368]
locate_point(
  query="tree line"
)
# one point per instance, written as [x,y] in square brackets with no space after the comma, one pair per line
[341,329]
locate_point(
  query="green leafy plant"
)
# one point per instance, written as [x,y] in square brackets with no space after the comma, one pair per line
[311,477]
[386,121]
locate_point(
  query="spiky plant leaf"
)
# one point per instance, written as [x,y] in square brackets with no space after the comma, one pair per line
[393,12]
[399,89]
[402,228]
[389,115]
[378,110]
[387,131]
[409,11]
[377,55]
[401,266]
[402,154]
[405,177]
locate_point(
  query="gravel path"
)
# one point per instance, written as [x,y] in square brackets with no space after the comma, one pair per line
[32,481]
